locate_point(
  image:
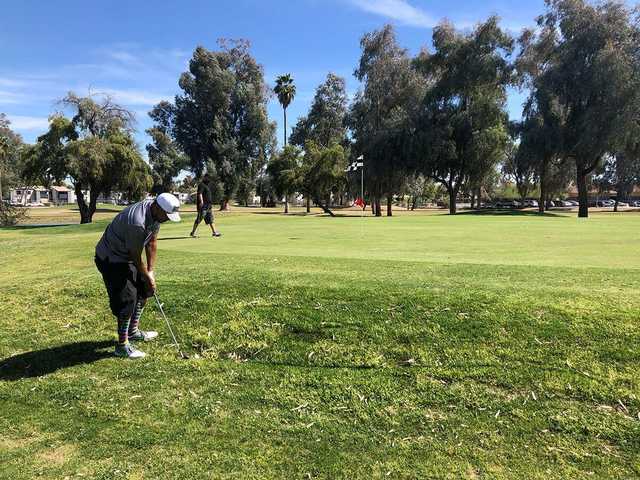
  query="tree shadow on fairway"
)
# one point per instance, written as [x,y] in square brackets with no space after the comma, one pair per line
[291,214]
[175,238]
[509,213]
[43,362]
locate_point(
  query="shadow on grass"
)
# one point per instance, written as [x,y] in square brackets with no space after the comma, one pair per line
[293,214]
[510,212]
[100,210]
[32,226]
[175,238]
[43,362]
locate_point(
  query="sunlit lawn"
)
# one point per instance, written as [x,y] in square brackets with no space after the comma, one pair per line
[418,346]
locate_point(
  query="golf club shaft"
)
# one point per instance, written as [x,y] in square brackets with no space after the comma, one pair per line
[167,322]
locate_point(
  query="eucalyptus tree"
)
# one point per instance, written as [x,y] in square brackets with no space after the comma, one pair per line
[10,147]
[220,116]
[326,121]
[379,115]
[582,59]
[322,173]
[284,170]
[461,127]
[520,164]
[165,157]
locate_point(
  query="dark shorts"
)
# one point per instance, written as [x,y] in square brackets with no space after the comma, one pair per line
[124,285]
[206,214]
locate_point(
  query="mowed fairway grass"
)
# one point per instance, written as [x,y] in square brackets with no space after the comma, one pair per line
[418,346]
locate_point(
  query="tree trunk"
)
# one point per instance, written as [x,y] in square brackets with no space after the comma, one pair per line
[478,196]
[325,208]
[378,207]
[285,126]
[286,204]
[615,205]
[86,211]
[389,205]
[473,201]
[373,206]
[583,200]
[542,203]
[453,194]
[308,205]
[224,205]
[0,182]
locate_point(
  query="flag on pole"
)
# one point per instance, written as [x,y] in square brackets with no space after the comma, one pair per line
[354,166]
[359,203]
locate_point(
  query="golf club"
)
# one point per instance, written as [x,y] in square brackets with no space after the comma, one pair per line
[182,354]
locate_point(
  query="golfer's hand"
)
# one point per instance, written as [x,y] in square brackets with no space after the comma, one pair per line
[151,281]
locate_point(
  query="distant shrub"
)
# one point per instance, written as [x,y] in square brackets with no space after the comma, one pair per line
[10,215]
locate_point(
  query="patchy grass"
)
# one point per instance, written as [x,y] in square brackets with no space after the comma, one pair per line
[492,346]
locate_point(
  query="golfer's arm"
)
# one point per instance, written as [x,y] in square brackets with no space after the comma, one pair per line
[199,201]
[136,258]
[151,249]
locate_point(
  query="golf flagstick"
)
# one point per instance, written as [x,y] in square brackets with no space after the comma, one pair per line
[169,326]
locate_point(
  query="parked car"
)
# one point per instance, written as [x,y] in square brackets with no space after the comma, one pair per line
[621,204]
[506,204]
[605,203]
[634,203]
[530,203]
[550,204]
[573,203]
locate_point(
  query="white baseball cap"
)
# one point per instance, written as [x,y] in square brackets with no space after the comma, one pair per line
[170,204]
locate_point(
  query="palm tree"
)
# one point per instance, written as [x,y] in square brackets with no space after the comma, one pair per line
[286,91]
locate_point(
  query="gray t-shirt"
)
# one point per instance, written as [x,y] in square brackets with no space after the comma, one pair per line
[129,231]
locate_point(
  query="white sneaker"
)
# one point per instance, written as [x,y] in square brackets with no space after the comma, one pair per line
[143,336]
[128,351]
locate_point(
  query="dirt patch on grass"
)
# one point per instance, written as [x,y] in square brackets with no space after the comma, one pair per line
[58,455]
[15,443]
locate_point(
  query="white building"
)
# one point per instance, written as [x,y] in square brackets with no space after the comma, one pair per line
[41,196]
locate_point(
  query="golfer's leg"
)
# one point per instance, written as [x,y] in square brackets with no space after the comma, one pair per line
[137,315]
[123,302]
[196,223]
[143,293]
[123,330]
[115,277]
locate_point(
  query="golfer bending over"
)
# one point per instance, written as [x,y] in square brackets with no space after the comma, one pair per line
[128,280]
[204,204]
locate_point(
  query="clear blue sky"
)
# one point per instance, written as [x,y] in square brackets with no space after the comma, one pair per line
[136,50]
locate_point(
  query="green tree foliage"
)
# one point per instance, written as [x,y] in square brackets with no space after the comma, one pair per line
[165,156]
[285,90]
[379,115]
[621,172]
[583,61]
[220,118]
[322,173]
[420,190]
[520,165]
[326,121]
[461,129]
[10,148]
[95,150]
[284,170]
